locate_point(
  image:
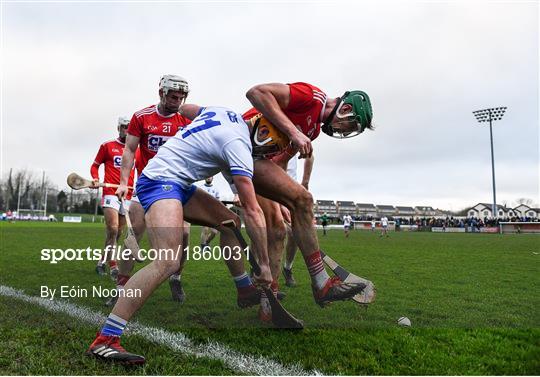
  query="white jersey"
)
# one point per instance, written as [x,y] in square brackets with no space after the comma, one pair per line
[384,221]
[216,141]
[292,167]
[373,223]
[347,219]
[210,189]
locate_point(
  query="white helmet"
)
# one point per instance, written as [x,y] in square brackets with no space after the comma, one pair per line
[123,121]
[173,82]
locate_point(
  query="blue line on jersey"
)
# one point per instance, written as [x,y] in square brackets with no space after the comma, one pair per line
[194,130]
[241,172]
[200,111]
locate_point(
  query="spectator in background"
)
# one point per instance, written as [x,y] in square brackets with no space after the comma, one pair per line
[324,222]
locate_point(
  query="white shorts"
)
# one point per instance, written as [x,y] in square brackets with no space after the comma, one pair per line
[112,201]
[135,199]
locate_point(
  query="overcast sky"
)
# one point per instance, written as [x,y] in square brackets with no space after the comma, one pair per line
[70,69]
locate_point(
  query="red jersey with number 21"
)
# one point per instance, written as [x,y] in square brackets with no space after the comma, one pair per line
[154,130]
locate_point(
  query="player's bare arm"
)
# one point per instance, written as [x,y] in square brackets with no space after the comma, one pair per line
[94,172]
[270,99]
[255,226]
[189,110]
[308,168]
[128,157]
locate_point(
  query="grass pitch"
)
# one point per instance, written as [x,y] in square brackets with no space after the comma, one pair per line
[472,298]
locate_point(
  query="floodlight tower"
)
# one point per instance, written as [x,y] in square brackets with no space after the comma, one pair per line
[491,115]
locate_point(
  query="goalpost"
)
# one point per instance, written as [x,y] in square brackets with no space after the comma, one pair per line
[31,214]
[519,227]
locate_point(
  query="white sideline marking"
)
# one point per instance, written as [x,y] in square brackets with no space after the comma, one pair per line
[237,361]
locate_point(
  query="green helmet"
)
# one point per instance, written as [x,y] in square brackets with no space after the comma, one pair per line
[361,114]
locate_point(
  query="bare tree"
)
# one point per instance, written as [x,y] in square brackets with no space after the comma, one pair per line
[527,201]
[27,187]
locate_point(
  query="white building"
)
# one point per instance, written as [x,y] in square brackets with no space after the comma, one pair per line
[524,210]
[482,210]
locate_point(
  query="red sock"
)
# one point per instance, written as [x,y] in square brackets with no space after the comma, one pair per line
[275,287]
[112,264]
[316,269]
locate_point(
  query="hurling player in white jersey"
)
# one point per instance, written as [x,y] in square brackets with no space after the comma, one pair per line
[218,140]
[291,247]
[347,220]
[207,233]
[384,226]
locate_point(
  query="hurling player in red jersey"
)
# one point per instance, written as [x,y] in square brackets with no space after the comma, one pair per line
[300,111]
[110,154]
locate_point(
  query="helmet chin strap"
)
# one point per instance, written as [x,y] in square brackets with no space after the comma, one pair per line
[326,128]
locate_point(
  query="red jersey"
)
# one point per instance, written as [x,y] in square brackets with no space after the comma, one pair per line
[154,130]
[110,154]
[305,109]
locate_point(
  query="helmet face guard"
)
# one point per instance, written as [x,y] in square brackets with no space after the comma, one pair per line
[266,139]
[360,115]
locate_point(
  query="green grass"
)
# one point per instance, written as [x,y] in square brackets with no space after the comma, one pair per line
[472,298]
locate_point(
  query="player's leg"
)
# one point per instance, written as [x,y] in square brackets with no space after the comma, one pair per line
[122,213]
[276,232]
[204,235]
[110,213]
[273,183]
[175,280]
[136,215]
[204,209]
[290,253]
[125,266]
[207,235]
[211,234]
[164,219]
[116,274]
